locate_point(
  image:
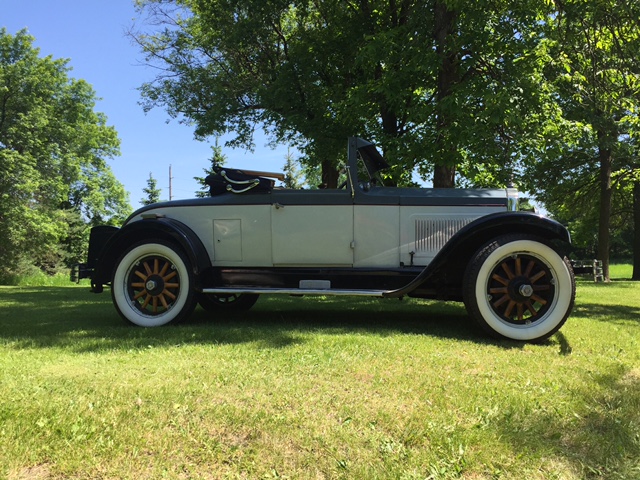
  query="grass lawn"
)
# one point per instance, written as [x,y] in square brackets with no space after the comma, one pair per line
[316,388]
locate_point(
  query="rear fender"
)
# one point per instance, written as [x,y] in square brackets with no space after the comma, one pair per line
[149,229]
[448,266]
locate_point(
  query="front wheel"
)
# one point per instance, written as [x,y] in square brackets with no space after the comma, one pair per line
[153,285]
[519,288]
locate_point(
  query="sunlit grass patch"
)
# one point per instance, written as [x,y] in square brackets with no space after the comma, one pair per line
[316,388]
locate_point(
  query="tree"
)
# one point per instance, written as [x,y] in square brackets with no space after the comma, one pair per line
[217,159]
[636,234]
[595,74]
[151,191]
[233,65]
[627,182]
[466,93]
[292,176]
[433,83]
[53,152]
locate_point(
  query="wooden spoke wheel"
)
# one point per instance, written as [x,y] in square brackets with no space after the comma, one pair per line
[236,302]
[518,287]
[153,285]
[521,289]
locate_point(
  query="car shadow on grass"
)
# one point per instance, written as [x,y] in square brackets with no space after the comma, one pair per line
[73,318]
[348,315]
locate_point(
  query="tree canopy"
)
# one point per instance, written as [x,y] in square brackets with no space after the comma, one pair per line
[545,94]
[53,153]
[595,77]
[430,82]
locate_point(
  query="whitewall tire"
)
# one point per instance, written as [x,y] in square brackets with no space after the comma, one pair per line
[153,285]
[518,287]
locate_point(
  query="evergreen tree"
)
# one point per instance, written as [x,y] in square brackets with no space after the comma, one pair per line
[217,159]
[292,176]
[151,191]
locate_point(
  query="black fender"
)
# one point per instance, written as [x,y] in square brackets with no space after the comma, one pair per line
[448,266]
[148,229]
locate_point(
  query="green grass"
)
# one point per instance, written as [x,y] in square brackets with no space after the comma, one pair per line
[38,278]
[620,271]
[316,388]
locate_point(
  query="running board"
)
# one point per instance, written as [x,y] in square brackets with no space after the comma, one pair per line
[295,291]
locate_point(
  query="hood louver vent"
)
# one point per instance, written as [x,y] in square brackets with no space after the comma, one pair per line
[432,233]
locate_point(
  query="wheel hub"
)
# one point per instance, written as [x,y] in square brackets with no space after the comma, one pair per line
[525,290]
[154,285]
[521,289]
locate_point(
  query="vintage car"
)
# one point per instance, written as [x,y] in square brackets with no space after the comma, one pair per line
[250,238]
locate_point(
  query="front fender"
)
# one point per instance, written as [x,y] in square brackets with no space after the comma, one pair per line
[448,266]
[149,229]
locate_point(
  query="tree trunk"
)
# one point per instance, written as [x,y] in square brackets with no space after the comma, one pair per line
[606,195]
[444,177]
[448,76]
[329,174]
[636,231]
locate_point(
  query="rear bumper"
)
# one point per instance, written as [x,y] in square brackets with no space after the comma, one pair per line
[80,271]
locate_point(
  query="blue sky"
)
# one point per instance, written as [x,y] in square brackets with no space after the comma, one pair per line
[91,34]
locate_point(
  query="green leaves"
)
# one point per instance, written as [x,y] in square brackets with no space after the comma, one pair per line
[314,73]
[495,92]
[53,151]
[594,76]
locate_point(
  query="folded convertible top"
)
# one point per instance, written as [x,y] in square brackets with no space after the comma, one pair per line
[231,180]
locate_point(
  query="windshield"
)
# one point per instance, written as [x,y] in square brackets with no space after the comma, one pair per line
[373,162]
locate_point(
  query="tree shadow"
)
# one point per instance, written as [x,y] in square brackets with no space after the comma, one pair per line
[608,313]
[599,440]
[74,318]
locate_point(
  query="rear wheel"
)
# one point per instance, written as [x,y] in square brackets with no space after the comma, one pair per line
[153,285]
[230,302]
[518,287]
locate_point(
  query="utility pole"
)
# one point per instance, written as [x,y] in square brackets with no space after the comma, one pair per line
[170,189]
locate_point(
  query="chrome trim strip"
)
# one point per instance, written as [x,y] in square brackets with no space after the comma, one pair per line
[295,291]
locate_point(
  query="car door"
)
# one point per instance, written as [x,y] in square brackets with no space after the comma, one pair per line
[312,228]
